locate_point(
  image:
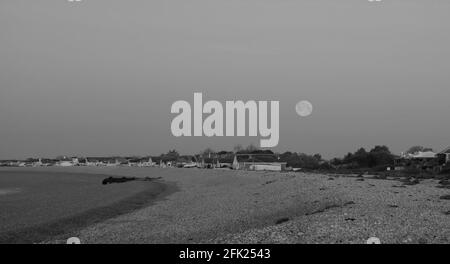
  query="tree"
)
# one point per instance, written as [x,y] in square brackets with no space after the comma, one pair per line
[238,148]
[336,161]
[361,157]
[251,148]
[300,160]
[285,156]
[380,149]
[347,158]
[318,157]
[380,155]
[308,161]
[172,155]
[207,152]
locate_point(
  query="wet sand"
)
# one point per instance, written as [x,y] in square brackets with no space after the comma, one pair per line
[37,205]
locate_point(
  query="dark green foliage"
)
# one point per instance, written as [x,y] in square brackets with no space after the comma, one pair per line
[301,160]
[445,170]
[377,158]
[172,155]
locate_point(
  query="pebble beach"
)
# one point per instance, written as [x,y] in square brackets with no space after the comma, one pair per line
[226,206]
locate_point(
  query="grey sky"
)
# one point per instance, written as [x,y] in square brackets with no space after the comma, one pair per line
[98,77]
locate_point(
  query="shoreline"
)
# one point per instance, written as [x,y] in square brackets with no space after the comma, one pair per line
[61,229]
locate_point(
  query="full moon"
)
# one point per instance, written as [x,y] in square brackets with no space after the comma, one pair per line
[303,108]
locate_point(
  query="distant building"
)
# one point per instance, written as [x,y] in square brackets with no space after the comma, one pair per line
[258,162]
[121,161]
[38,163]
[224,159]
[185,161]
[99,161]
[48,162]
[422,155]
[10,163]
[141,162]
[91,161]
[75,161]
[444,156]
[207,163]
[426,160]
[64,163]
[224,162]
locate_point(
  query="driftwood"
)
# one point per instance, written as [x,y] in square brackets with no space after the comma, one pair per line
[126,179]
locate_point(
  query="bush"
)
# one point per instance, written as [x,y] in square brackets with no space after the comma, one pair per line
[326,166]
[378,156]
[380,168]
[412,171]
[446,169]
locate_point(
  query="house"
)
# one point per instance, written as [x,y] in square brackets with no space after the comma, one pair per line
[121,161]
[224,159]
[38,163]
[90,161]
[444,156]
[159,161]
[111,162]
[207,163]
[185,161]
[162,162]
[75,161]
[258,162]
[147,162]
[190,165]
[168,160]
[188,161]
[48,162]
[141,162]
[156,161]
[426,160]
[108,161]
[135,162]
[9,163]
[423,155]
[32,162]
[225,162]
[82,162]
[96,161]
[64,163]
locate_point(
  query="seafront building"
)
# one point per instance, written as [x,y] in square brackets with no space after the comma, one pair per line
[258,162]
